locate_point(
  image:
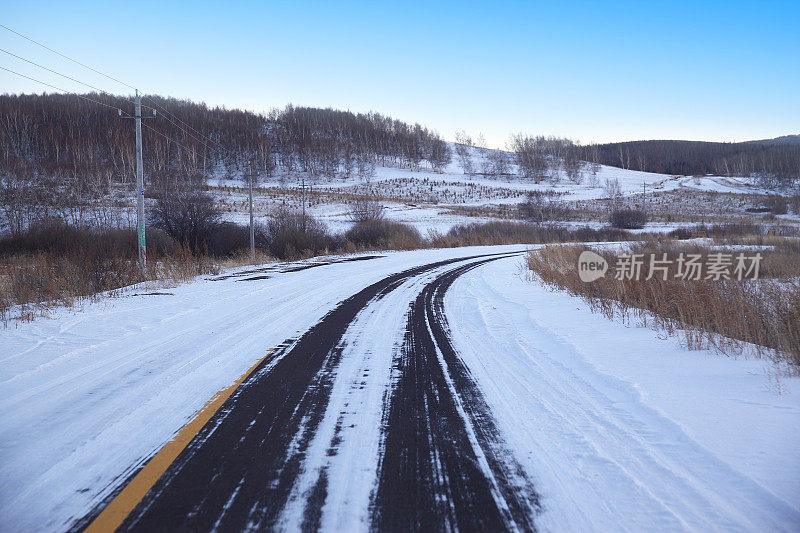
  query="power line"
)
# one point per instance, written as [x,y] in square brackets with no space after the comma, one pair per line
[97,102]
[101,103]
[54,72]
[92,87]
[198,139]
[60,89]
[201,139]
[160,108]
[67,57]
[167,137]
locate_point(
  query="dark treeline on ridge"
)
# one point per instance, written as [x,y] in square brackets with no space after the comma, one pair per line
[67,137]
[60,155]
[772,163]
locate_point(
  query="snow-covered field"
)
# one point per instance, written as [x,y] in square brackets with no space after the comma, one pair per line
[424,198]
[618,428]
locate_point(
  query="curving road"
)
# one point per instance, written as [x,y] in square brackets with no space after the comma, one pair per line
[455,395]
[367,420]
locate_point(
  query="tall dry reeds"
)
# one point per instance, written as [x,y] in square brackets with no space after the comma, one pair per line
[725,315]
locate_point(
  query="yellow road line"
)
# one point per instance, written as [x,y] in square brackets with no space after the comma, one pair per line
[120,507]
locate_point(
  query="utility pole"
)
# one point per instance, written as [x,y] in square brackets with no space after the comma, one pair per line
[252,227]
[304,197]
[140,188]
[139,183]
[304,205]
[644,197]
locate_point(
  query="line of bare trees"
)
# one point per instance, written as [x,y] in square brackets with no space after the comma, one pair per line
[551,158]
[61,133]
[530,158]
[475,159]
[60,154]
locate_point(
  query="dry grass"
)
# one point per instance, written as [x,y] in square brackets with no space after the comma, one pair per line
[32,284]
[506,232]
[726,315]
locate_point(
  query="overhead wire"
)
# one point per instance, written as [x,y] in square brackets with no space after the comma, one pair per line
[54,72]
[145,125]
[62,90]
[67,57]
[161,108]
[97,102]
[200,137]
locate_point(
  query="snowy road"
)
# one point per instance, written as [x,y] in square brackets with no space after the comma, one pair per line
[270,456]
[427,390]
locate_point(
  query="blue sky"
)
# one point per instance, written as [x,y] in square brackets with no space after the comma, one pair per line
[592,71]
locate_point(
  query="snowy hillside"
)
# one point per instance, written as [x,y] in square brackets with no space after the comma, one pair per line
[438,200]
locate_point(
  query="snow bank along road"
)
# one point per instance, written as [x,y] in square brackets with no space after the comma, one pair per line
[425,390]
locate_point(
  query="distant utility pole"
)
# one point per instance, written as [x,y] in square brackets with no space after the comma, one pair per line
[139,182]
[644,196]
[252,226]
[304,205]
[304,197]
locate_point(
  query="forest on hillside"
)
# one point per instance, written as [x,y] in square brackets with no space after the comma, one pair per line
[61,153]
[771,163]
[64,135]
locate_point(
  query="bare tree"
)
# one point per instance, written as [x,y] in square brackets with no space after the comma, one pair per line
[541,207]
[437,153]
[496,163]
[613,192]
[364,209]
[463,149]
[573,165]
[530,157]
[186,213]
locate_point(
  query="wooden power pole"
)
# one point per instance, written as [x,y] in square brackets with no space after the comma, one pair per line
[252,225]
[139,183]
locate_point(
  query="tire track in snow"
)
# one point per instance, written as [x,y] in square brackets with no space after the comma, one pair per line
[239,470]
[444,464]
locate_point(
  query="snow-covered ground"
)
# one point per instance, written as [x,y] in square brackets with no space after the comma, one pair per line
[89,394]
[618,428]
[424,198]
[621,429]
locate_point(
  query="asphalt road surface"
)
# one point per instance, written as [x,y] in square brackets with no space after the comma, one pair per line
[368,420]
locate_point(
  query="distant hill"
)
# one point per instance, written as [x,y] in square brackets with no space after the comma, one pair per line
[776,161]
[785,139]
[79,137]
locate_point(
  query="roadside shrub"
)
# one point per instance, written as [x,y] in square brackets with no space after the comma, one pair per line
[189,216]
[384,234]
[628,219]
[499,232]
[227,238]
[57,238]
[541,207]
[291,235]
[719,231]
[778,205]
[502,232]
[364,209]
[794,202]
